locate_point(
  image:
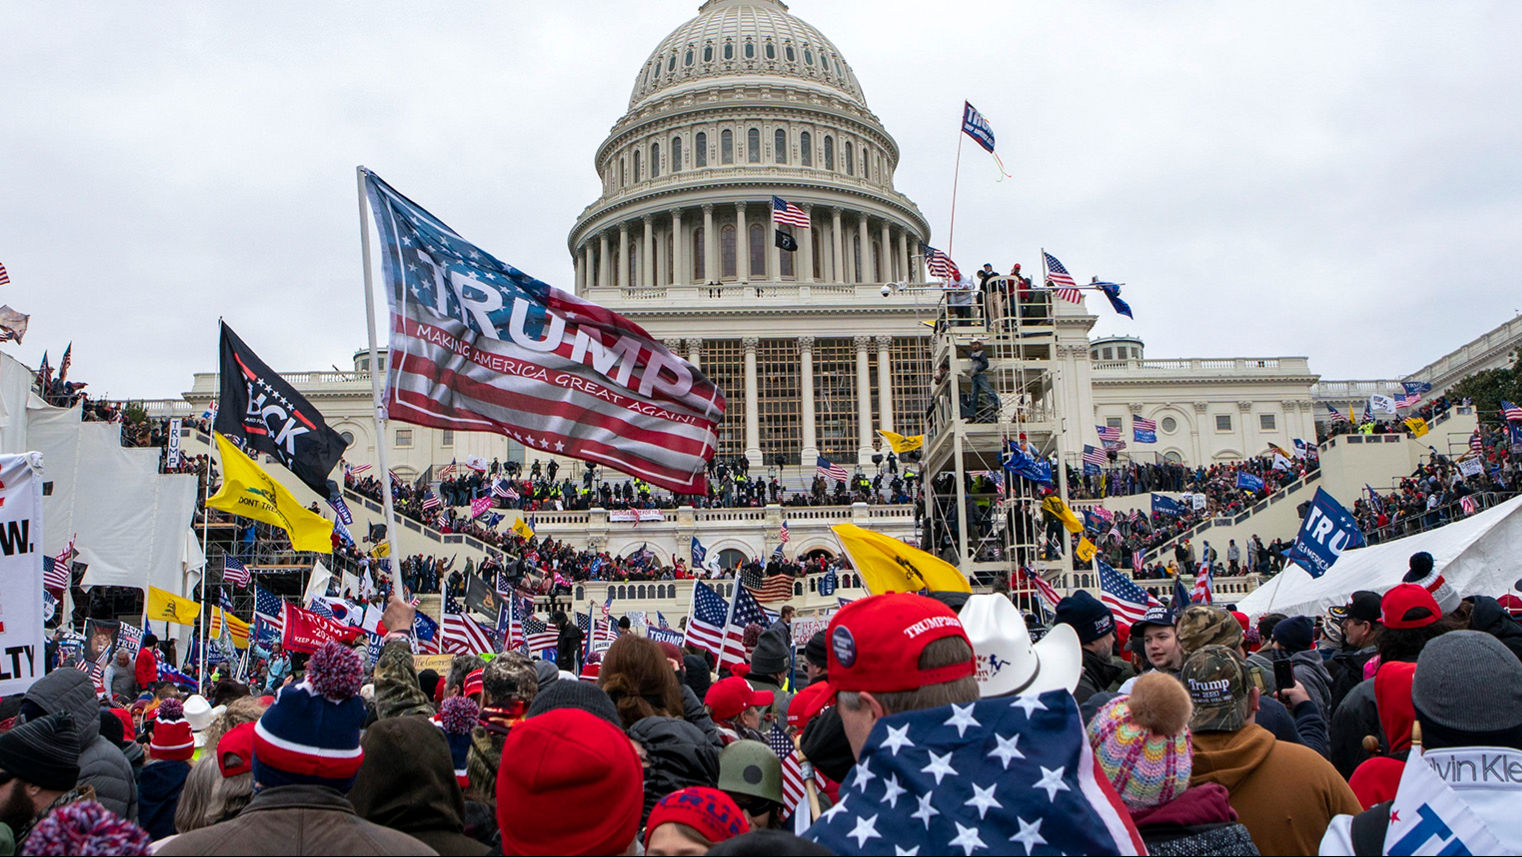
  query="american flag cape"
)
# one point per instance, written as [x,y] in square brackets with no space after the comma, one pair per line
[1009,775]
[1125,599]
[477,345]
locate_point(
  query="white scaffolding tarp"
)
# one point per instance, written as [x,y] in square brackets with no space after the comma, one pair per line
[1477,555]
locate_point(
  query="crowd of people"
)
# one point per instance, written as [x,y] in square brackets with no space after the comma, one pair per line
[1195,730]
[1367,423]
[1434,493]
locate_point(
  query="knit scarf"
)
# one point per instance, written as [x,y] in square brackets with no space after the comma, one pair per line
[500,719]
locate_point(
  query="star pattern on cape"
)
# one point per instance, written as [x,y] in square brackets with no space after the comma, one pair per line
[1052,782]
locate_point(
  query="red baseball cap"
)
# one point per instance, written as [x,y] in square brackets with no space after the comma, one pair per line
[473,683]
[235,752]
[1409,605]
[807,703]
[876,643]
[727,698]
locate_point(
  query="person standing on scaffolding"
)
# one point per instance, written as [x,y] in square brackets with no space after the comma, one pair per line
[981,384]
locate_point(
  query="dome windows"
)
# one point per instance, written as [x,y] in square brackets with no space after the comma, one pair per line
[829,153]
[779,145]
[850,161]
[708,53]
[700,150]
[727,147]
[729,50]
[655,160]
[687,61]
[676,154]
[771,50]
[671,63]
[806,148]
[636,166]
[753,146]
[750,49]
[790,54]
[808,56]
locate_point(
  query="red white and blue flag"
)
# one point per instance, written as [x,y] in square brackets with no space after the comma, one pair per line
[1125,599]
[477,345]
[1143,430]
[1058,278]
[824,468]
[1038,583]
[784,212]
[1510,411]
[939,265]
[460,634]
[235,572]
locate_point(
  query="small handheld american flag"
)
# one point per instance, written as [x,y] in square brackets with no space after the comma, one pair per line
[824,468]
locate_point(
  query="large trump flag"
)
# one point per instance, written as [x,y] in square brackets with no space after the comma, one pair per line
[477,345]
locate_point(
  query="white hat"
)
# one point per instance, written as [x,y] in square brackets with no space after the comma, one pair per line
[1007,661]
[199,714]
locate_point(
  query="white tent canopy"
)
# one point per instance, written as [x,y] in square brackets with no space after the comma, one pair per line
[1478,556]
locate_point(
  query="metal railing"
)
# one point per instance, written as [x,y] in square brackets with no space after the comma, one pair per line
[1431,519]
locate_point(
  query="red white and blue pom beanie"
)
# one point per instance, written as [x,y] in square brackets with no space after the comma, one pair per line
[457,717]
[310,735]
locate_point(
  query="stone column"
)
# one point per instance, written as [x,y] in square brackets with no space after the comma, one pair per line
[863,402]
[647,254]
[623,255]
[864,234]
[752,403]
[679,264]
[742,246]
[694,350]
[810,452]
[887,260]
[581,270]
[604,261]
[804,269]
[837,268]
[903,255]
[710,246]
[884,383]
[1244,413]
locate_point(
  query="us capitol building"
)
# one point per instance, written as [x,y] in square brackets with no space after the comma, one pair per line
[818,348]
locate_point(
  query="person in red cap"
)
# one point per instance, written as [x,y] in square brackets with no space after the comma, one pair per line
[735,706]
[894,653]
[691,821]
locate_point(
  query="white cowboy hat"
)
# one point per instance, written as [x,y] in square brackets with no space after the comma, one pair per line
[199,714]
[1008,662]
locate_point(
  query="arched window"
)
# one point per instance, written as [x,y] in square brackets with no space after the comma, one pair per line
[636,164]
[729,50]
[621,180]
[655,160]
[687,60]
[824,63]
[727,147]
[850,161]
[771,50]
[877,262]
[750,50]
[791,57]
[639,591]
[634,257]
[818,254]
[708,53]
[779,145]
[699,256]
[829,152]
[753,145]
[758,245]
[727,252]
[700,150]
[806,148]
[864,173]
[676,154]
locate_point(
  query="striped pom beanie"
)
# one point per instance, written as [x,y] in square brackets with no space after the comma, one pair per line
[172,739]
[1141,741]
[85,827]
[310,735]
[457,718]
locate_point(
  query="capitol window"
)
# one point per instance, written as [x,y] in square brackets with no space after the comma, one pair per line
[758,245]
[824,63]
[806,148]
[727,264]
[1170,425]
[850,162]
[729,50]
[829,152]
[750,50]
[636,165]
[708,53]
[403,438]
[687,60]
[671,64]
[700,150]
[753,145]
[791,57]
[1223,422]
[676,154]
[1266,422]
[727,147]
[348,437]
[779,145]
[808,56]
[699,254]
[771,51]
[655,160]
[446,437]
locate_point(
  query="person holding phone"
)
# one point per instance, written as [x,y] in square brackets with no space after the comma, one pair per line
[1294,646]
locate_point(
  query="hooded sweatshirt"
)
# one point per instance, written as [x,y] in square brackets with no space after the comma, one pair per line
[1311,672]
[101,765]
[1199,821]
[1284,794]
[407,783]
[1489,616]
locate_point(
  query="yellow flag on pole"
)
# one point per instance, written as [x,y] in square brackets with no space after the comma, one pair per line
[1085,550]
[251,493]
[236,627]
[888,565]
[1054,506]
[1417,425]
[522,528]
[901,444]
[164,606]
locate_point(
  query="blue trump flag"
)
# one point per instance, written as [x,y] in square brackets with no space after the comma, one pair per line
[1111,291]
[1021,462]
[699,553]
[1326,532]
[1164,505]
[1248,482]
[976,127]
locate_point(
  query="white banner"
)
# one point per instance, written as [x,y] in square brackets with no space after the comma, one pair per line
[1197,500]
[21,659]
[1381,404]
[805,627]
[172,460]
[624,516]
[1471,466]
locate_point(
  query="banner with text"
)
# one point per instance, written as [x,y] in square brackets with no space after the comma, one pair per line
[21,660]
[1326,532]
[172,456]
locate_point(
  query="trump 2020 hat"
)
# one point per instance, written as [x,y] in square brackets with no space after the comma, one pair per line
[876,643]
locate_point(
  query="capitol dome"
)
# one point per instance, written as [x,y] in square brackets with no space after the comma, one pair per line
[744,37]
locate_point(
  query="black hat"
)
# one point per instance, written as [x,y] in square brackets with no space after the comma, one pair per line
[816,651]
[43,752]
[1088,617]
[1295,634]
[567,693]
[1364,606]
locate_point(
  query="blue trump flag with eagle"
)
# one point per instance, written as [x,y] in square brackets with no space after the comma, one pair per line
[1007,775]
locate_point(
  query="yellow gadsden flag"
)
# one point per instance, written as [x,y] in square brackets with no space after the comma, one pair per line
[1054,506]
[900,444]
[1417,425]
[522,528]
[251,493]
[1085,550]
[888,565]
[165,606]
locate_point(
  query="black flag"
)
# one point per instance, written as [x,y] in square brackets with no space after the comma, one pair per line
[786,241]
[260,412]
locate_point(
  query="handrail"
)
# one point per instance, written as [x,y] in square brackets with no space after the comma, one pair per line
[1430,519]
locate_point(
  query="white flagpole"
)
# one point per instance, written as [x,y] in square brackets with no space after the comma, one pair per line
[375,391]
[206,509]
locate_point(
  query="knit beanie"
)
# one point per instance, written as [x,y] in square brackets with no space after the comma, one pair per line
[1468,692]
[1295,634]
[580,695]
[1422,574]
[43,752]
[1087,615]
[86,827]
[1142,741]
[172,740]
[311,734]
[457,718]
[770,655]
[712,813]
[815,652]
[577,788]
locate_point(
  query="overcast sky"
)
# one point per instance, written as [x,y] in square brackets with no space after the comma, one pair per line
[1342,181]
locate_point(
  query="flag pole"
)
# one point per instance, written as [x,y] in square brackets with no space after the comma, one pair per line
[956,175]
[388,508]
[206,509]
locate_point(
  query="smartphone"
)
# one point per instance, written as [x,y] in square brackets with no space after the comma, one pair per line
[1284,674]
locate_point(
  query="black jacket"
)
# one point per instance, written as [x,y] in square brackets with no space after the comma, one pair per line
[568,647]
[1099,673]
[679,754]
[1489,616]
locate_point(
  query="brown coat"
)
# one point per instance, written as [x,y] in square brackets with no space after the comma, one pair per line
[295,820]
[1284,794]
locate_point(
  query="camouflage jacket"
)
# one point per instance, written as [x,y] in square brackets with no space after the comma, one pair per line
[396,689]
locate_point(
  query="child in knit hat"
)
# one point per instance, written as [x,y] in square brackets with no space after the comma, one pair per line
[1142,743]
[163,778]
[692,820]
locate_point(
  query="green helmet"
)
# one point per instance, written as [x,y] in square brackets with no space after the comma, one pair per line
[751,768]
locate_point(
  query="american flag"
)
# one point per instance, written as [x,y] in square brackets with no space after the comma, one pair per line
[706,622]
[660,621]
[767,588]
[1095,456]
[538,635]
[235,572]
[1125,599]
[939,264]
[1510,411]
[269,609]
[532,372]
[1059,278]
[998,776]
[788,213]
[5,278]
[1038,583]
[792,772]
[356,470]
[1143,423]
[1407,400]
[503,488]
[448,470]
[431,500]
[782,535]
[824,468]
[460,634]
[516,610]
[747,611]
[1476,441]
[1467,504]
[1107,432]
[55,575]
[1204,583]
